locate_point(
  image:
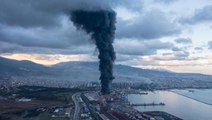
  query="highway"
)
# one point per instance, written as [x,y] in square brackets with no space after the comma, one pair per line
[76,100]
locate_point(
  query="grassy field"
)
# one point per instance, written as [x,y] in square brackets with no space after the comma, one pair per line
[16,107]
[47,116]
[43,116]
[42,93]
[42,97]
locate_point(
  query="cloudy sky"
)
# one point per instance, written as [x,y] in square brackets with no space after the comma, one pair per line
[156,34]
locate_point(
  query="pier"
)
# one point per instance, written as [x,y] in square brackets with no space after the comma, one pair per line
[148,104]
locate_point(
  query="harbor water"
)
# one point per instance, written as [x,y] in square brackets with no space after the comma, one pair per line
[175,104]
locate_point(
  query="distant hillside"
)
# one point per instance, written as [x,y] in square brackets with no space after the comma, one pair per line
[88,71]
[20,68]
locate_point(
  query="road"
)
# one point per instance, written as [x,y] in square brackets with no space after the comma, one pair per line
[76,100]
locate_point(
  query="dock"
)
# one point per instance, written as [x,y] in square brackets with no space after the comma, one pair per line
[148,104]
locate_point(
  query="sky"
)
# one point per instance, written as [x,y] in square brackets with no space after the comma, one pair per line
[175,35]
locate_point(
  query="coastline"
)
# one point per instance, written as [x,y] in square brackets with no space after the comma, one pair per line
[192,98]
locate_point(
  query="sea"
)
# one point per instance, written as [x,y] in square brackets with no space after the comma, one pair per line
[188,104]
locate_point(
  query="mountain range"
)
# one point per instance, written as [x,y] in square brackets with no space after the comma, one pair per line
[11,70]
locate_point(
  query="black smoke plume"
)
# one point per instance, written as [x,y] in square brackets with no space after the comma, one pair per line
[101,26]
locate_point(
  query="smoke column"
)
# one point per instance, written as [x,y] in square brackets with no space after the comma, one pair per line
[101,26]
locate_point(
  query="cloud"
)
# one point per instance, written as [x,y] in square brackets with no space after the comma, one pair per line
[45,13]
[28,13]
[181,55]
[124,57]
[43,26]
[152,24]
[40,13]
[175,55]
[14,48]
[9,48]
[183,40]
[200,15]
[49,59]
[64,39]
[135,47]
[210,45]
[176,48]
[198,48]
[136,5]
[166,54]
[166,1]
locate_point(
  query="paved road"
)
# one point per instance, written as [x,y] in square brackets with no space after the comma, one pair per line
[76,100]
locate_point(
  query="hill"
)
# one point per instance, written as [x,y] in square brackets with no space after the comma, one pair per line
[88,71]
